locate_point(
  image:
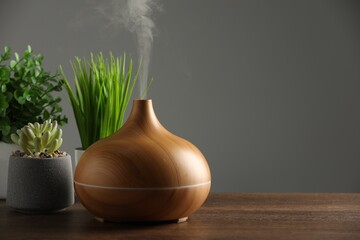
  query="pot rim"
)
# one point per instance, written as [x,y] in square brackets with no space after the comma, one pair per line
[68,156]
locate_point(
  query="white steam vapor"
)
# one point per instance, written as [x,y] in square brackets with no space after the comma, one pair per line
[135,15]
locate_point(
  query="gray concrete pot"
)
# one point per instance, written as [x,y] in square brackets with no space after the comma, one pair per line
[40,185]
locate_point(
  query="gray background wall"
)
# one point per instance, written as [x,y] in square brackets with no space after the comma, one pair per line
[268,90]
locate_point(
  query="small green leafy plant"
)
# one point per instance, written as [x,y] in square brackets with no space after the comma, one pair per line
[39,138]
[26,92]
[103,88]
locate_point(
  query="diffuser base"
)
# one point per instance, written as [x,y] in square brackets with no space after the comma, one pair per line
[180,220]
[143,204]
[100,219]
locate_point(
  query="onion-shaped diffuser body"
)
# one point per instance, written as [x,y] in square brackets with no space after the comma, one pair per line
[142,172]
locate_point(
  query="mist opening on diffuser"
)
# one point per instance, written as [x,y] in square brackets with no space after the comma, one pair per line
[136,15]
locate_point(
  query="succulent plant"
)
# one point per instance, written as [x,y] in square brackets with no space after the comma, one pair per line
[39,138]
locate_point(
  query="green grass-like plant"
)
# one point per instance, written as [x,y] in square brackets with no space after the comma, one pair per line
[103,88]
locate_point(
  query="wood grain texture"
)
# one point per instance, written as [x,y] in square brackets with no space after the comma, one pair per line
[160,170]
[252,216]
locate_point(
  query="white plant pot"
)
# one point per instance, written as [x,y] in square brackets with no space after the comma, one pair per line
[5,152]
[78,153]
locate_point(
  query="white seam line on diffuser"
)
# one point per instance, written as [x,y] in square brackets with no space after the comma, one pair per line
[134,188]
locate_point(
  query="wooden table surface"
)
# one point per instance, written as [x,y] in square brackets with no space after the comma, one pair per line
[224,216]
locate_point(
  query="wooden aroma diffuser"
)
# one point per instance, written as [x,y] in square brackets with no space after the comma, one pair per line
[142,173]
